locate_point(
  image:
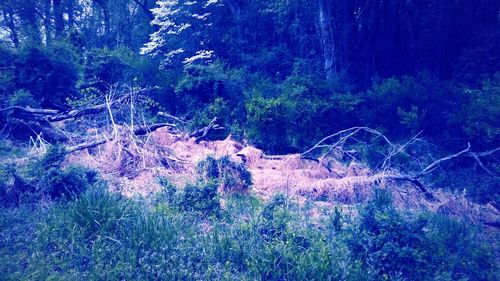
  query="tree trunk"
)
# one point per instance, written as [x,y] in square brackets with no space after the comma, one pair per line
[47,22]
[326,38]
[70,9]
[28,15]
[107,27]
[58,18]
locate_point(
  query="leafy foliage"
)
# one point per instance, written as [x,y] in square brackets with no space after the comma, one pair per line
[231,176]
[395,245]
[45,178]
[202,198]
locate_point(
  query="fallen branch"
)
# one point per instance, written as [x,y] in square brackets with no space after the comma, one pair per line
[169,116]
[86,145]
[140,131]
[436,163]
[349,133]
[392,173]
[144,130]
[52,115]
[203,132]
[30,110]
[427,193]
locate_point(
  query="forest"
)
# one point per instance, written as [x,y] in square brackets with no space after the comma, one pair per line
[249,140]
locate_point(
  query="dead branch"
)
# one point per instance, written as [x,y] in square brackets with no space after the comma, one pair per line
[399,177]
[30,110]
[477,156]
[388,171]
[86,145]
[140,131]
[203,132]
[52,115]
[344,136]
[436,163]
[144,130]
[176,119]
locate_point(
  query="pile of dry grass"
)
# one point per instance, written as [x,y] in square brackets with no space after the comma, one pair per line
[133,165]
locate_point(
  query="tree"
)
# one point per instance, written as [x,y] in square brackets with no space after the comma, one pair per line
[184,31]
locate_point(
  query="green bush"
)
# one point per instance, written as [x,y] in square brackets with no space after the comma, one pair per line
[480,115]
[231,176]
[275,217]
[48,74]
[99,212]
[67,183]
[201,198]
[45,178]
[168,191]
[105,236]
[22,98]
[424,247]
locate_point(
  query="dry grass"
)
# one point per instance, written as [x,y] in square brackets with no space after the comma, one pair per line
[132,165]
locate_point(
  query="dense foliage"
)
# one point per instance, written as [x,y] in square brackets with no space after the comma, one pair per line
[272,71]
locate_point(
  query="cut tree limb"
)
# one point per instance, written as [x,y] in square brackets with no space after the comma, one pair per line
[203,132]
[175,118]
[86,145]
[436,163]
[140,131]
[52,115]
[143,130]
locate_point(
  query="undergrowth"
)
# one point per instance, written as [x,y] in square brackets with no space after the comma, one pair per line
[80,230]
[231,176]
[104,236]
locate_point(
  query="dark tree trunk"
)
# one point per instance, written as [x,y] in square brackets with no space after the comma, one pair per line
[326,38]
[29,18]
[70,9]
[47,22]
[58,18]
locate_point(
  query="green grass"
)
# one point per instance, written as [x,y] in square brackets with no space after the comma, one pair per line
[103,236]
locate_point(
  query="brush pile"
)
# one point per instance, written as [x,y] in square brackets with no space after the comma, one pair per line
[133,155]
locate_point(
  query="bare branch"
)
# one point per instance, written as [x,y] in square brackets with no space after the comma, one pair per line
[86,145]
[177,119]
[143,130]
[436,163]
[350,132]
[203,132]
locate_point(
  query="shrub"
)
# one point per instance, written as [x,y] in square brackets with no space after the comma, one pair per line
[201,198]
[388,243]
[45,178]
[275,218]
[457,251]
[22,98]
[422,247]
[49,74]
[231,176]
[53,181]
[67,183]
[168,191]
[53,158]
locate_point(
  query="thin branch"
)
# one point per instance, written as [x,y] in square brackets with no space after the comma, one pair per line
[203,132]
[177,119]
[436,163]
